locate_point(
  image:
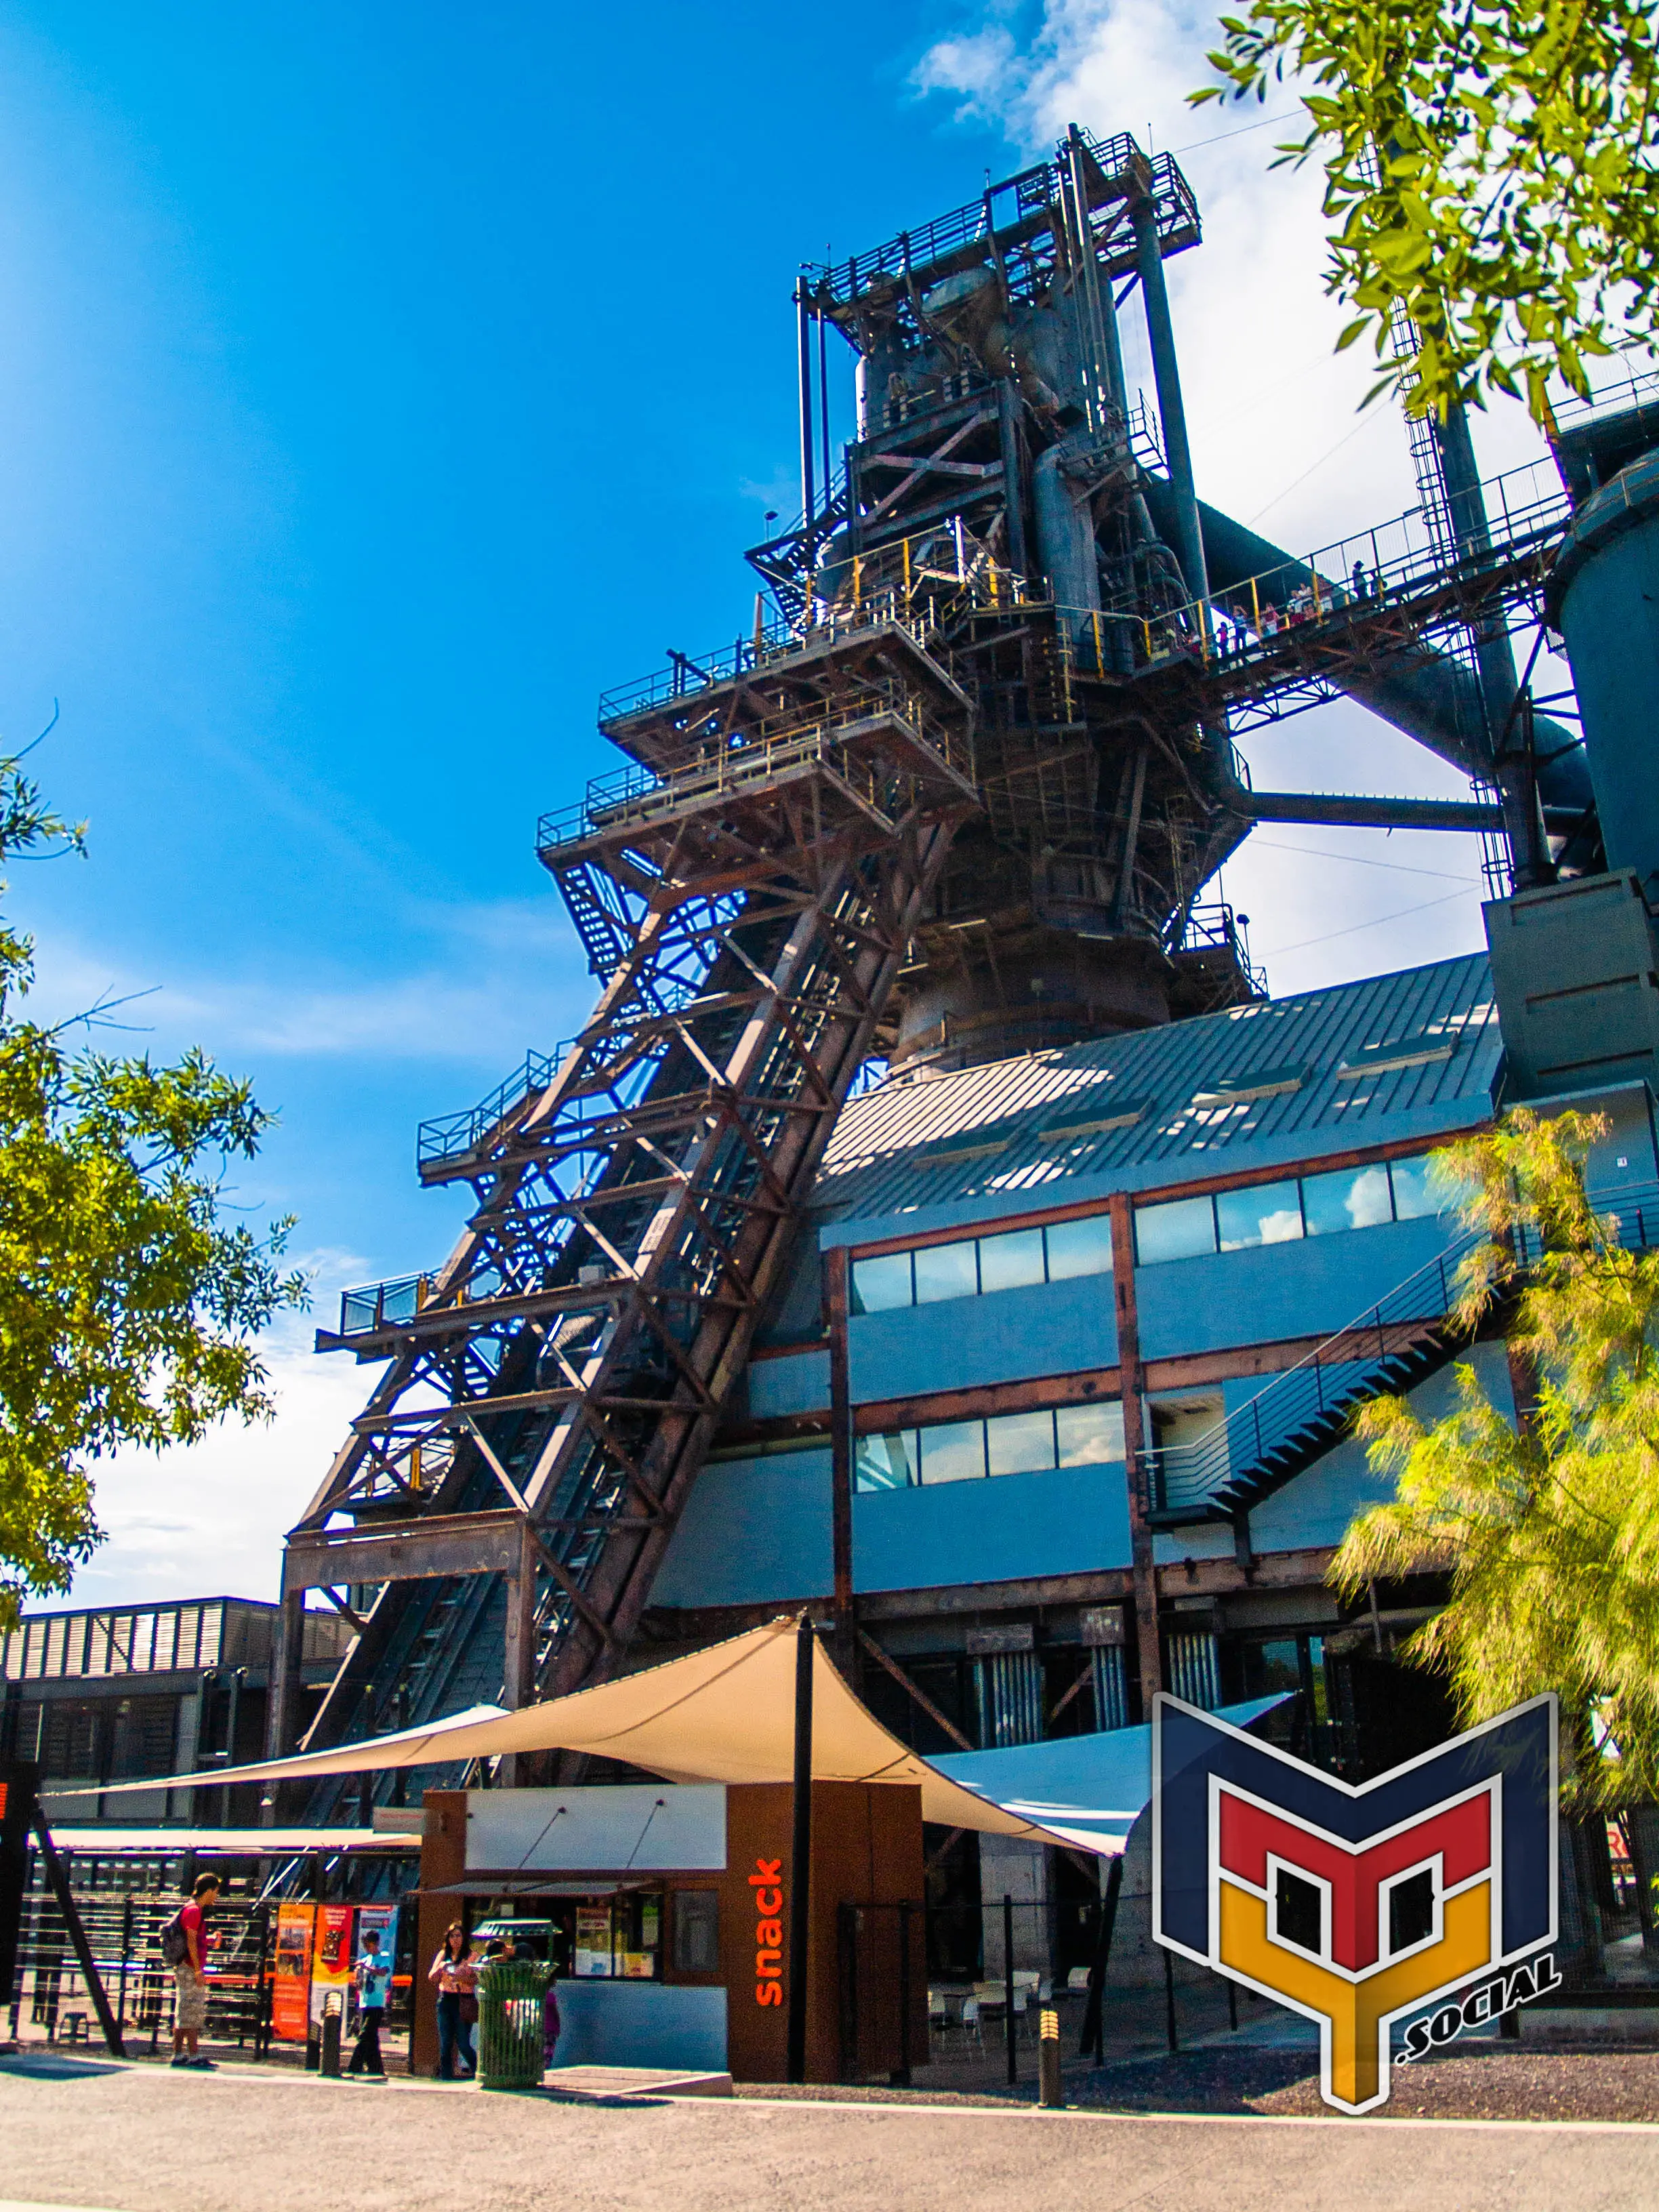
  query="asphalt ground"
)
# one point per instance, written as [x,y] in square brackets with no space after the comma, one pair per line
[140,2138]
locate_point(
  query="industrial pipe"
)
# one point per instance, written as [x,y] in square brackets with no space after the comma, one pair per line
[1172,413]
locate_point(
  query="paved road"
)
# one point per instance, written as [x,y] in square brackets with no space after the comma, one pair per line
[142,2139]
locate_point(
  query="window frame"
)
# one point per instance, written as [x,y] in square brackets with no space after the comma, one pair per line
[1388,1165]
[910,1252]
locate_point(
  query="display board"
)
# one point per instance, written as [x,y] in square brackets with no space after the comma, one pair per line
[331,1959]
[290,1996]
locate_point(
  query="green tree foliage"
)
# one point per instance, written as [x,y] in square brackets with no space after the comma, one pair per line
[1490,174]
[128,1305]
[1550,1529]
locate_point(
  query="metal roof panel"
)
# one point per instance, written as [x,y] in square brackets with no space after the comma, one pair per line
[1165,1105]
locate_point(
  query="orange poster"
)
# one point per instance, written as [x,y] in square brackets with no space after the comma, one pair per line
[290,1996]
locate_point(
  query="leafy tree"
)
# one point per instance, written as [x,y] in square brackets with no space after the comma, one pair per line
[128,1305]
[1490,170]
[1550,1527]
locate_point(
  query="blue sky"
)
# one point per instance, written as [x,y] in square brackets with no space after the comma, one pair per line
[378,382]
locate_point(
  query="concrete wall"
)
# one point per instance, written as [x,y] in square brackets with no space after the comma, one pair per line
[614,2023]
[753,1529]
[1009,1336]
[799,1384]
[1004,1528]
[1271,1291]
[757,1529]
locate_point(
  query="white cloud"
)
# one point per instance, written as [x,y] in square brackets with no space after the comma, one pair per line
[512,976]
[1276,435]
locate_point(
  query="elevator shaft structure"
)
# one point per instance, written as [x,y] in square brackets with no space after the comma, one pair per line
[552,1389]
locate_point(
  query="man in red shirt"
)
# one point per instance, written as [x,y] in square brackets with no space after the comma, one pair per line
[190,2015]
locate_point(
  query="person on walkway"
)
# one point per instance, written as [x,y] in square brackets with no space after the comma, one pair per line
[190,2012]
[550,2022]
[457,1978]
[373,1980]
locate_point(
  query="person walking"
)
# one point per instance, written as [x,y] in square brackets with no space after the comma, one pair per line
[457,1978]
[187,1953]
[373,1980]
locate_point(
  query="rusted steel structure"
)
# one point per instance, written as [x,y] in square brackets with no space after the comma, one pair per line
[955,800]
[553,1387]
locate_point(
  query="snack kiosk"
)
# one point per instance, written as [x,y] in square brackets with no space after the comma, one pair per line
[666,1908]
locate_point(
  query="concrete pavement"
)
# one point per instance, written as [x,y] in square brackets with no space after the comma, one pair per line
[143,2139]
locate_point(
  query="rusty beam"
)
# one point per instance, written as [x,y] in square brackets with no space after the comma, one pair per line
[1142,1572]
[408,1551]
[917,1696]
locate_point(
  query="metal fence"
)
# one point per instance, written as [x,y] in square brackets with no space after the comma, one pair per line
[123,1930]
[952,1996]
[123,1920]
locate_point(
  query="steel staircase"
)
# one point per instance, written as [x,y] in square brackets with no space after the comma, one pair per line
[495,1517]
[1387,1350]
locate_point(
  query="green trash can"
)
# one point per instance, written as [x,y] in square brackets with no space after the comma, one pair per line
[510,1992]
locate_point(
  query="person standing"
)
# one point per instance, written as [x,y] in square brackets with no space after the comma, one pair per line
[190,2011]
[373,1980]
[457,1978]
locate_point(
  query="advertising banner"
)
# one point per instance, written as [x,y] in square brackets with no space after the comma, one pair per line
[290,1998]
[17,1786]
[380,1920]
[331,1957]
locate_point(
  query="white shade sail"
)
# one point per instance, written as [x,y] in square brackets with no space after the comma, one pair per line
[726,1714]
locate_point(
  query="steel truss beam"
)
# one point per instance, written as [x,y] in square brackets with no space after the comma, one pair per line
[574,1353]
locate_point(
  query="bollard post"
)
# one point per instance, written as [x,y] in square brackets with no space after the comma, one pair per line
[333,2010]
[1050,2091]
[1008,1986]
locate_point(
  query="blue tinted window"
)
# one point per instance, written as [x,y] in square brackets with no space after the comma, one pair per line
[953,1452]
[1355,1198]
[1079,1248]
[1267,1213]
[886,1462]
[1412,1198]
[880,1285]
[945,1271]
[1010,1262]
[1019,1444]
[1179,1230]
[1090,1436]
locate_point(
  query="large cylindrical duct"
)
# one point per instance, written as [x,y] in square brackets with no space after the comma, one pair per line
[1603,597]
[1065,540]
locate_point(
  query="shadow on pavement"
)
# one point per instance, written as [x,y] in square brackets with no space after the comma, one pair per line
[1194,2082]
[51,2066]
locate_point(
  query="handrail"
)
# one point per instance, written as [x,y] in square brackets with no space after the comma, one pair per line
[1397,560]
[1193,1475]
[1358,575]
[634,795]
[447,1136]
[987,584]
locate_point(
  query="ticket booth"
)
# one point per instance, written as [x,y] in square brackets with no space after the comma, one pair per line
[668,1909]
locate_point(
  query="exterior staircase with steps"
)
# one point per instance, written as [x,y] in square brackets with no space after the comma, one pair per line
[1303,1413]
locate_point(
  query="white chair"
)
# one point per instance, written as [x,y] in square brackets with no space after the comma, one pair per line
[971,2022]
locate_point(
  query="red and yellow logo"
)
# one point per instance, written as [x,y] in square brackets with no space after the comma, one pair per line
[1359,1904]
[1355,1934]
